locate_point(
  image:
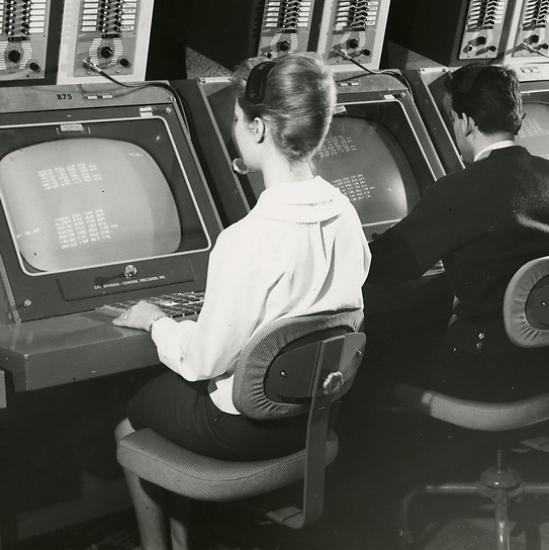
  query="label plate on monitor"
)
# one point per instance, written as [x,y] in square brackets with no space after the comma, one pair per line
[113,281]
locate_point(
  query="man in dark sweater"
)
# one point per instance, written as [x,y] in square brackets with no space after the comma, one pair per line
[484,223]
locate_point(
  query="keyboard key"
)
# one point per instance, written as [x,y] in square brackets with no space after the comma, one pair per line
[176,305]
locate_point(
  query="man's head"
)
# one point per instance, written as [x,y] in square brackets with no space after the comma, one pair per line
[484,98]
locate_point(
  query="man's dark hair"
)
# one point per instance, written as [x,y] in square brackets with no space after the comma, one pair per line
[488,94]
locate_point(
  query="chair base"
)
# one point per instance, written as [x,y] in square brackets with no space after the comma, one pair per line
[501,485]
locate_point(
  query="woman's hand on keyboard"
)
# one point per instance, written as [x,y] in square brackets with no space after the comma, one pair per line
[141,315]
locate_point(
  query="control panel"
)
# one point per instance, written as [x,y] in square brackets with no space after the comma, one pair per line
[285,27]
[356,28]
[484,29]
[24,26]
[530,41]
[112,34]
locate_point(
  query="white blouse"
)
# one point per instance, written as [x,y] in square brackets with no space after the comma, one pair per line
[301,250]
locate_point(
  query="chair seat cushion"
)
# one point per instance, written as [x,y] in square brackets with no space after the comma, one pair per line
[152,457]
[491,417]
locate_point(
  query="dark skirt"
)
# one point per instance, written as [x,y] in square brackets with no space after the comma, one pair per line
[183,412]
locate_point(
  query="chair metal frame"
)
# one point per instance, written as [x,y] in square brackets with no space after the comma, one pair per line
[499,483]
[324,385]
[526,319]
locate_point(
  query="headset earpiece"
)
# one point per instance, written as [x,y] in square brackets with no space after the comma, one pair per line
[257,82]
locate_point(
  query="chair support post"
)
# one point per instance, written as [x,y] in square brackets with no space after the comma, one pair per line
[501,502]
[317,428]
[313,484]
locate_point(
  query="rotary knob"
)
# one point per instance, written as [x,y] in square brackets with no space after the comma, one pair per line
[14,56]
[284,46]
[105,52]
[353,43]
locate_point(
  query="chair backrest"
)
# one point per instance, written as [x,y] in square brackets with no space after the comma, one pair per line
[275,372]
[297,366]
[526,305]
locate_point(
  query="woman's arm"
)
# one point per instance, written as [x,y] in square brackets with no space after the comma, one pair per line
[236,292]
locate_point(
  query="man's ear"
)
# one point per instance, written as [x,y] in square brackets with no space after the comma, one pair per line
[461,122]
[470,124]
[259,129]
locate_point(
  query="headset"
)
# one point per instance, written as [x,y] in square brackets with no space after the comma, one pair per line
[257,82]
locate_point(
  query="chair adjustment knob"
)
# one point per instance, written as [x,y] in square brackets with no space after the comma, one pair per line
[333,383]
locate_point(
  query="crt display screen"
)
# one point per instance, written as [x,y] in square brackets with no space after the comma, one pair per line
[98,198]
[372,153]
[83,202]
[534,133]
[363,159]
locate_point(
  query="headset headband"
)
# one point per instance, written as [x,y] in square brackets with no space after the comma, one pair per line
[257,82]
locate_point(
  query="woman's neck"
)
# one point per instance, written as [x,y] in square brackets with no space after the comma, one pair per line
[278,170]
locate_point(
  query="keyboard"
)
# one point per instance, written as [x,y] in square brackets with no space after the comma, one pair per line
[176,305]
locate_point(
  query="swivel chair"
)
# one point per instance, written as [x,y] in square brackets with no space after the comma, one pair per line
[290,367]
[526,319]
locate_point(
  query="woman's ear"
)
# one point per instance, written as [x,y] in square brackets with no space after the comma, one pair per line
[259,129]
